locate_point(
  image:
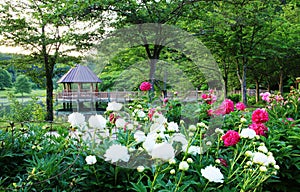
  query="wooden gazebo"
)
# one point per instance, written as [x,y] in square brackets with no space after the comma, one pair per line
[80,87]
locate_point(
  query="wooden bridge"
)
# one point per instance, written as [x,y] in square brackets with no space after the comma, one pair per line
[117,96]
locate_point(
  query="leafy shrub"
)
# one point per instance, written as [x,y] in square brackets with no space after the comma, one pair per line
[235,97]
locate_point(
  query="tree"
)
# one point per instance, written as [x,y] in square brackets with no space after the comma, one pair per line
[5,79]
[22,85]
[158,13]
[50,30]
[238,27]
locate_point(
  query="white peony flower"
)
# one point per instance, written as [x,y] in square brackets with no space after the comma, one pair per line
[90,160]
[116,152]
[76,119]
[150,142]
[158,118]
[195,150]
[139,136]
[114,106]
[262,149]
[97,121]
[271,160]
[247,133]
[260,158]
[163,151]
[156,127]
[141,114]
[173,127]
[129,126]
[179,137]
[184,166]
[120,123]
[213,174]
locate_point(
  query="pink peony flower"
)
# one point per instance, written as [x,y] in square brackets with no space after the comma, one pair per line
[229,106]
[231,138]
[266,96]
[260,116]
[210,112]
[209,98]
[259,128]
[240,106]
[204,96]
[145,86]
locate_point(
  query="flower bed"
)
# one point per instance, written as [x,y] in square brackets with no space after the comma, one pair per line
[140,147]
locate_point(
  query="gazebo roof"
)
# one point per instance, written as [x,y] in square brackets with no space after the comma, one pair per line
[79,74]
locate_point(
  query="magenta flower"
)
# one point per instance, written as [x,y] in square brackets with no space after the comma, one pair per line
[260,116]
[145,86]
[231,138]
[240,106]
[259,128]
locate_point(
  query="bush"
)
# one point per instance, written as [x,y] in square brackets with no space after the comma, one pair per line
[235,97]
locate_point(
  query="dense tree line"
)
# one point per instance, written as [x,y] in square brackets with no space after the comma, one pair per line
[254,42]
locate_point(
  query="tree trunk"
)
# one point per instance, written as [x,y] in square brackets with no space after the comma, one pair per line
[281,81]
[226,87]
[256,90]
[244,85]
[49,99]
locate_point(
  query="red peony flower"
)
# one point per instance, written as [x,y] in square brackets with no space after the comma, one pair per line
[260,116]
[231,138]
[259,128]
[240,106]
[145,86]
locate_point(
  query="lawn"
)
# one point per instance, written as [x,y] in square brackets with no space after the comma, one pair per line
[34,93]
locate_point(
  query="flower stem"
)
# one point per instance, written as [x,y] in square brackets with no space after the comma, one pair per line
[180,179]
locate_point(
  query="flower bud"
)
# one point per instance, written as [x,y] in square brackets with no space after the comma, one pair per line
[140,168]
[172,172]
[263,169]
[183,166]
[192,128]
[172,161]
[189,160]
[218,161]
[243,120]
[248,153]
[276,167]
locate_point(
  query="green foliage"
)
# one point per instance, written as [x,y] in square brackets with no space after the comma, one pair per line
[235,98]
[24,111]
[22,85]
[5,79]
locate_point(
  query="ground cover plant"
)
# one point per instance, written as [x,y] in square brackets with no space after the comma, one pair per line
[142,147]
